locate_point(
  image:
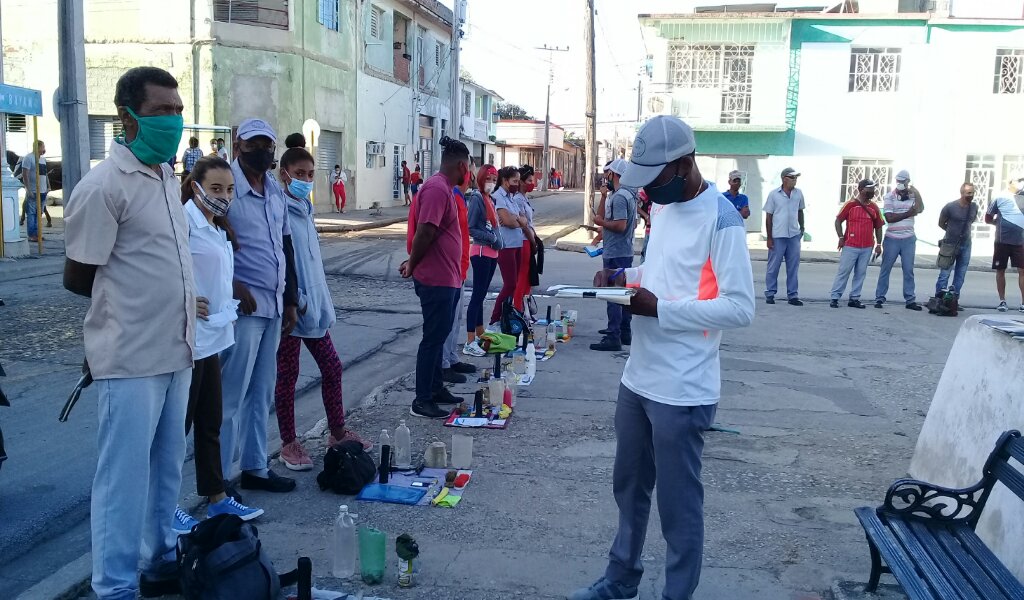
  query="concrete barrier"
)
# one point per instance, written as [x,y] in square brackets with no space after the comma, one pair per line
[980,395]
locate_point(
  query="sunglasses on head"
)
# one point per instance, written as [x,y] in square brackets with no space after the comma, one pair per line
[790,177]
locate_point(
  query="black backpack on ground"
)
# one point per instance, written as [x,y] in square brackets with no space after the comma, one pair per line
[946,305]
[513,321]
[222,559]
[347,469]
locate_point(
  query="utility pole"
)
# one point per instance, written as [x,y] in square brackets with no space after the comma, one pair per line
[71,95]
[456,113]
[546,158]
[591,114]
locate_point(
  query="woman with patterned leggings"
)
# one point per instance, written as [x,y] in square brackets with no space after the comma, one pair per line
[316,316]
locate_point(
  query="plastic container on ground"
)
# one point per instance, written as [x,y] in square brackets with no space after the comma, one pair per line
[344,545]
[403,447]
[462,451]
[371,555]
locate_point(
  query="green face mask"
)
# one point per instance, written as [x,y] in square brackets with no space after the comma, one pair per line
[158,137]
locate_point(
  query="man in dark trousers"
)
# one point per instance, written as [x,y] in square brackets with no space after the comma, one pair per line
[435,266]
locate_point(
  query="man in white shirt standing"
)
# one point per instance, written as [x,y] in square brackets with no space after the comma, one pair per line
[900,206]
[784,225]
[696,282]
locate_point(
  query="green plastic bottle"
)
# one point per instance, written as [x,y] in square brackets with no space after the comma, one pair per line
[371,554]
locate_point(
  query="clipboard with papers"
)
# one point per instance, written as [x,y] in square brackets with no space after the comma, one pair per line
[617,295]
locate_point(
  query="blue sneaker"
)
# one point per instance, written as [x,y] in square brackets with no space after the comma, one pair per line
[605,590]
[183,522]
[230,506]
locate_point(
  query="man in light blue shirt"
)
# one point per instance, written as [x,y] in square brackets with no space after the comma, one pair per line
[265,286]
[785,228]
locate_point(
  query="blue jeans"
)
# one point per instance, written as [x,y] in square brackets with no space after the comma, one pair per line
[963,260]
[619,319]
[483,273]
[248,373]
[31,214]
[892,249]
[438,305]
[663,443]
[138,477]
[853,260]
[787,249]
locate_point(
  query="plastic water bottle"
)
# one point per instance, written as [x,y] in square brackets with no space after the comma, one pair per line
[383,440]
[403,447]
[345,545]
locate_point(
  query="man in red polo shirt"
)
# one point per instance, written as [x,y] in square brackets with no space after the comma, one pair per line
[863,222]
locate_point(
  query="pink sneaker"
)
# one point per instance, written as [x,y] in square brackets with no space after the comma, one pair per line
[350,436]
[294,457]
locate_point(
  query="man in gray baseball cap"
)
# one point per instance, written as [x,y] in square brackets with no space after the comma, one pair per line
[695,282]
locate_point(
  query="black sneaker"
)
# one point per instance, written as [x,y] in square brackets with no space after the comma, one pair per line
[603,332]
[450,376]
[914,306]
[833,304]
[443,396]
[231,492]
[152,587]
[878,304]
[461,367]
[608,344]
[627,338]
[769,300]
[271,483]
[796,302]
[856,304]
[428,410]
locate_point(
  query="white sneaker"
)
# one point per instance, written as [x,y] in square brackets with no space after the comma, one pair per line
[473,349]
[1002,307]
[183,522]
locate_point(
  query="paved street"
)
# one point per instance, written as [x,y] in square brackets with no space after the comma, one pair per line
[828,404]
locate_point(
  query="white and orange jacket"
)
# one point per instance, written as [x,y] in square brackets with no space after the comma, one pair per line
[699,268]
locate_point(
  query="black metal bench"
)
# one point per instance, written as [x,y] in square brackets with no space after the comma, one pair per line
[925,535]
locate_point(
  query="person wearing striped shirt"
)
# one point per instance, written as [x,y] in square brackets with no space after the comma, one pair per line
[899,206]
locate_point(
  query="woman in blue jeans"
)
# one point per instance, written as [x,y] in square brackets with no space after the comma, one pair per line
[483,253]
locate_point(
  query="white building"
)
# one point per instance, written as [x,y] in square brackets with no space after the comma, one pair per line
[841,97]
[477,129]
[404,88]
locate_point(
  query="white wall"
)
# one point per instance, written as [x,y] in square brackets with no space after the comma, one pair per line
[384,109]
[529,133]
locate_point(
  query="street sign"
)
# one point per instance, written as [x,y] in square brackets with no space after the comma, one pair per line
[16,100]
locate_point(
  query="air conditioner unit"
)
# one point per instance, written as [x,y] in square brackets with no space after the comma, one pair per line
[699,104]
[658,104]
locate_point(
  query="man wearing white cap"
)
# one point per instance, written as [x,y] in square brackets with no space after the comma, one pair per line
[784,226]
[619,223]
[899,206]
[696,282]
[740,201]
[266,287]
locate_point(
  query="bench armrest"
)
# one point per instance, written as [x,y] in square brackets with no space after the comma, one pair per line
[923,500]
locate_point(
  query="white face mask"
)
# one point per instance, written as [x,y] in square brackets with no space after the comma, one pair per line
[489,187]
[901,186]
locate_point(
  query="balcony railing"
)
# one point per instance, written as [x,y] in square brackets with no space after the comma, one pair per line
[258,13]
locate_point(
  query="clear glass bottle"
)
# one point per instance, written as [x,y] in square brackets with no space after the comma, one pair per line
[403,447]
[344,544]
[383,440]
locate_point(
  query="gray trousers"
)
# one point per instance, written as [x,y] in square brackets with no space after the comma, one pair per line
[651,438]
[450,353]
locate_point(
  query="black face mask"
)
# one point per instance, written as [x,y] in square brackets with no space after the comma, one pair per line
[258,160]
[869,195]
[668,193]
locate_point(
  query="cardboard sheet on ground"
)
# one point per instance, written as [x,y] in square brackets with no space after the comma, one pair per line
[618,295]
[402,481]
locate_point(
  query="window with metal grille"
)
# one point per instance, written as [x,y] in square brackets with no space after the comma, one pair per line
[397,152]
[438,53]
[258,13]
[728,67]
[1009,72]
[327,14]
[102,131]
[467,104]
[874,69]
[374,155]
[878,170]
[989,173]
[376,21]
